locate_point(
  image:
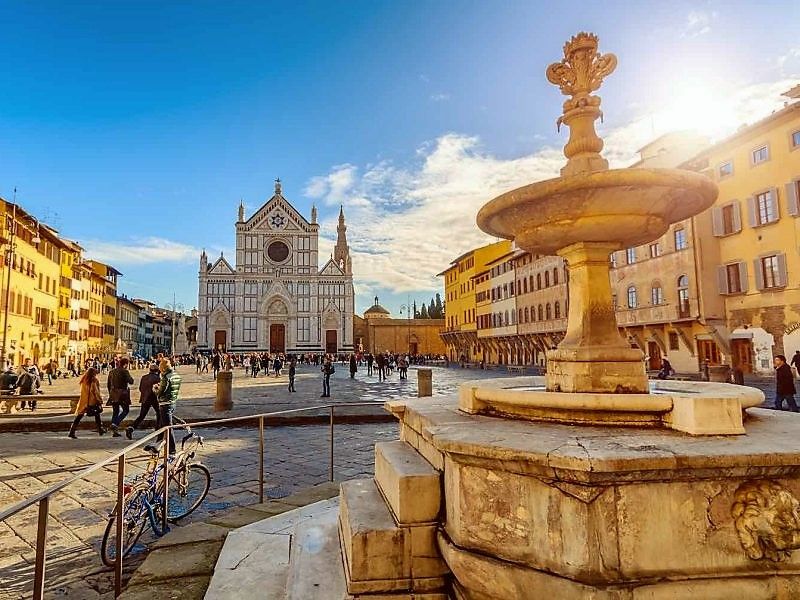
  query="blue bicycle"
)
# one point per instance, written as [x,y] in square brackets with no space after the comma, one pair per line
[143,495]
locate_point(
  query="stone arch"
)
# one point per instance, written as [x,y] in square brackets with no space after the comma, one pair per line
[219,327]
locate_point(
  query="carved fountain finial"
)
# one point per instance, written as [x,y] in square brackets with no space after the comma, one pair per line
[580,73]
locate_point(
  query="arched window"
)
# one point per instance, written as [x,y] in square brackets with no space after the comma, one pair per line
[548,312]
[531,282]
[656,294]
[506,321]
[633,301]
[526,314]
[525,286]
[513,317]
[547,279]
[555,276]
[683,295]
[541,312]
[538,281]
[519,316]
[557,310]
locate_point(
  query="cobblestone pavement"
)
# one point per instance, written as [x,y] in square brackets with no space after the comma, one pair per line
[296,457]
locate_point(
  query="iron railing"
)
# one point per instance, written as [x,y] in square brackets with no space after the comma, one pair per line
[43,497]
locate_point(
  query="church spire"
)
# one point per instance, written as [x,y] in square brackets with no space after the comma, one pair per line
[341,252]
[313,214]
[241,211]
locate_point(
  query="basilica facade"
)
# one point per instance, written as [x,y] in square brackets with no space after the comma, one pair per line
[276,298]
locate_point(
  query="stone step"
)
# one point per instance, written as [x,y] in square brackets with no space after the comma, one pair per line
[376,550]
[411,486]
[315,566]
[262,560]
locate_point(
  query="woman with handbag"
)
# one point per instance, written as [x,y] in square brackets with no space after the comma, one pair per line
[90,403]
[119,394]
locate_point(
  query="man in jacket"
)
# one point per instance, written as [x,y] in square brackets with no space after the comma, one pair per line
[167,392]
[147,398]
[784,384]
[119,378]
[327,370]
[28,385]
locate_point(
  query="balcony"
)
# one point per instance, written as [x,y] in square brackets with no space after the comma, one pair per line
[662,313]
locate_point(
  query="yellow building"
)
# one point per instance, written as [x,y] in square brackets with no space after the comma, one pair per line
[105,278]
[68,306]
[754,226]
[461,333]
[29,289]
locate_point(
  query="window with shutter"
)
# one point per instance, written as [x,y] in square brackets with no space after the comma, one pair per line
[781,279]
[758,268]
[792,197]
[743,276]
[717,225]
[722,279]
[751,212]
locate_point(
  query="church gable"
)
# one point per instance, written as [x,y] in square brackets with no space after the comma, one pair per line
[221,267]
[331,268]
[260,219]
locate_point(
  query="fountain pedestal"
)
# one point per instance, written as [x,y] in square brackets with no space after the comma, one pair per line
[555,511]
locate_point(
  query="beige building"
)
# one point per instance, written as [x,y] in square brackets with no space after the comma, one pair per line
[377,331]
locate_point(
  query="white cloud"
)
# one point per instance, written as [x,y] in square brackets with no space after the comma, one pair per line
[405,224]
[698,22]
[440,97]
[140,251]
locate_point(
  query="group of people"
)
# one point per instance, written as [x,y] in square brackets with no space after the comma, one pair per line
[21,385]
[159,389]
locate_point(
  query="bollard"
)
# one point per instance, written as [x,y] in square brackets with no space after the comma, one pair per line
[424,382]
[224,399]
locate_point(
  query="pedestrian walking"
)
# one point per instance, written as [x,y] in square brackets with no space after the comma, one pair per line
[402,366]
[119,394]
[353,366]
[216,363]
[90,402]
[147,399]
[169,387]
[28,385]
[381,362]
[370,360]
[327,370]
[292,373]
[796,362]
[277,365]
[784,384]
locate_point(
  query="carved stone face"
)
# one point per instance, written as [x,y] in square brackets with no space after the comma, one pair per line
[767,519]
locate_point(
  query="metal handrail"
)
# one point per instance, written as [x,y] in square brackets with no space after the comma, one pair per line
[43,497]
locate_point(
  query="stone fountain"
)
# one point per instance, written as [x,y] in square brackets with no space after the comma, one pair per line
[591,482]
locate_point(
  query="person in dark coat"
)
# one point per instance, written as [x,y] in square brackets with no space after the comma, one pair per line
[292,373]
[147,398]
[353,366]
[784,384]
[119,395]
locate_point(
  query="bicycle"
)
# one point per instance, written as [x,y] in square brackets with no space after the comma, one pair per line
[143,495]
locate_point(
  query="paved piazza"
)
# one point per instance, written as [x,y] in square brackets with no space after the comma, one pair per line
[296,457]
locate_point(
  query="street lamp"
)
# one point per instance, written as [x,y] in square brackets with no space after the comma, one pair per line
[11,223]
[407,308]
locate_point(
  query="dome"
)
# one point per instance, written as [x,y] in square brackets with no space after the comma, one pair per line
[376,310]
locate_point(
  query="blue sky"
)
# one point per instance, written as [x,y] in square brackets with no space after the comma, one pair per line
[135,128]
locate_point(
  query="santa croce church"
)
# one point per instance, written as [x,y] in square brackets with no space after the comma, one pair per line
[276,298]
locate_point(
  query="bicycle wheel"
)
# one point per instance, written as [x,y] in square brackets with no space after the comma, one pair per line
[135,519]
[188,487]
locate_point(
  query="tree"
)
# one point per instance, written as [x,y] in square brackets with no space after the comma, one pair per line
[439,307]
[431,310]
[424,312]
[416,312]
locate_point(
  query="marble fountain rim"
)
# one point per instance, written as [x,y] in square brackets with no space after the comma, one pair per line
[538,191]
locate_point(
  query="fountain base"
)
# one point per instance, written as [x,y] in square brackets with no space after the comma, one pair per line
[544,510]
[696,408]
[599,369]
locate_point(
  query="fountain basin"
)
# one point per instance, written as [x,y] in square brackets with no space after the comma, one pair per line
[626,206]
[697,408]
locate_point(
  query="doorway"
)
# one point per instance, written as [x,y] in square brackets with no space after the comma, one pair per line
[221,340]
[708,350]
[331,341]
[654,354]
[742,351]
[277,338]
